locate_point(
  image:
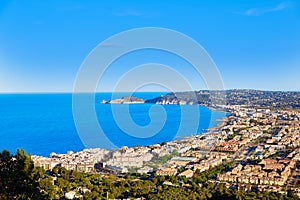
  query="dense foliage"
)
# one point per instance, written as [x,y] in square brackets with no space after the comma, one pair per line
[19,179]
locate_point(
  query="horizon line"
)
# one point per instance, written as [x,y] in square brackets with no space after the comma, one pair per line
[71,92]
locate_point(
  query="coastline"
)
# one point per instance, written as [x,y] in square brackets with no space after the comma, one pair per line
[51,126]
[139,158]
[206,132]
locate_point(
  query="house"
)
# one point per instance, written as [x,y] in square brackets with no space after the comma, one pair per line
[182,161]
[187,173]
[70,195]
[166,172]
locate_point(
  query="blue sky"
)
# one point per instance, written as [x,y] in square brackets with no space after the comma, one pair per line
[254,43]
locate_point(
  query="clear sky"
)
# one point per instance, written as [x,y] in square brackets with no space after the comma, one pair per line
[254,43]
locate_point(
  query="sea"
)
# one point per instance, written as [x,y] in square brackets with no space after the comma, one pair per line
[44,123]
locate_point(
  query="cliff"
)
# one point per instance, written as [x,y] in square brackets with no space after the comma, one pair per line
[178,98]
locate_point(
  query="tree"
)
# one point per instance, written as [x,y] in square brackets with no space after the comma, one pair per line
[18,179]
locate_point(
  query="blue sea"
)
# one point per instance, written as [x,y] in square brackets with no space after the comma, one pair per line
[44,123]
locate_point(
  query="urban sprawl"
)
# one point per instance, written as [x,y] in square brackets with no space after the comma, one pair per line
[259,145]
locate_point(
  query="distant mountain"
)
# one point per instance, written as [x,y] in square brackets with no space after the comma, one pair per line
[250,98]
[176,98]
[244,97]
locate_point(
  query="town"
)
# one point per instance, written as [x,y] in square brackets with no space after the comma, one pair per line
[257,149]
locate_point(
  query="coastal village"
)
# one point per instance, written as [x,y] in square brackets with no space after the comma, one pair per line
[260,148]
[149,100]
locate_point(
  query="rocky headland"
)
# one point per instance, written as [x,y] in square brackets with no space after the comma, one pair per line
[124,100]
[216,98]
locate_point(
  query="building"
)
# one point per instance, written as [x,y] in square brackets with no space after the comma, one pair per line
[166,172]
[187,173]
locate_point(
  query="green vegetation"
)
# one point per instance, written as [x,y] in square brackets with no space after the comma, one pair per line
[19,179]
[211,191]
[175,153]
[262,139]
[202,177]
[230,137]
[163,159]
[278,154]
